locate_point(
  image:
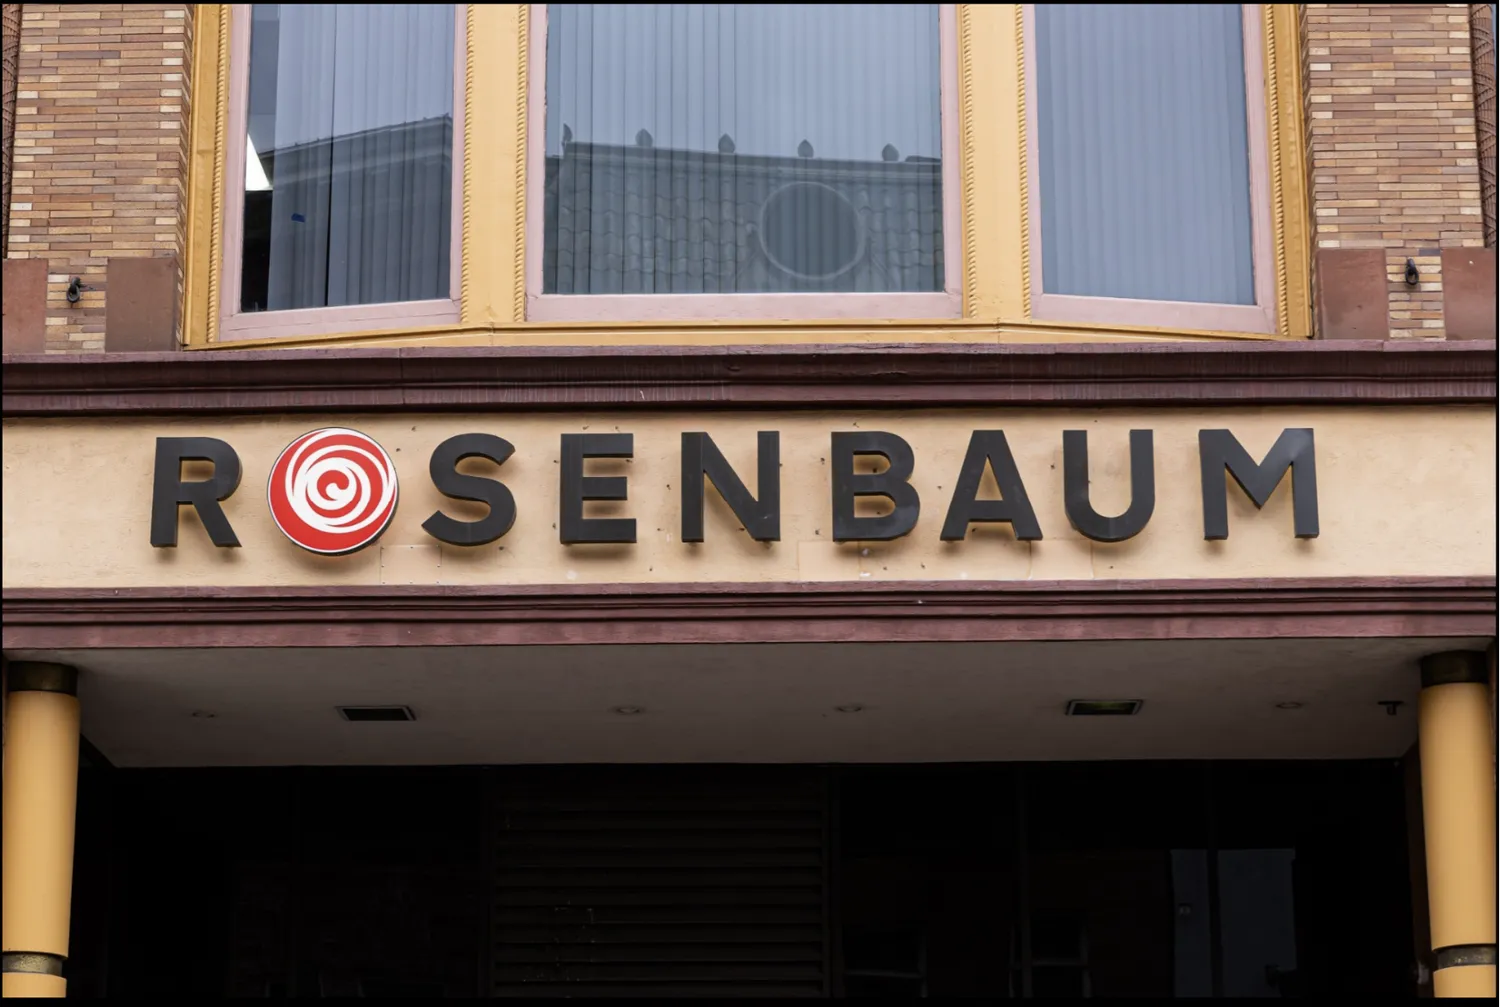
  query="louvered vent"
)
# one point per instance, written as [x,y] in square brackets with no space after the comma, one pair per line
[658,881]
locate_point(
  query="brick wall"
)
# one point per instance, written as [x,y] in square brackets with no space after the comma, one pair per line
[10,17]
[100,148]
[1392,143]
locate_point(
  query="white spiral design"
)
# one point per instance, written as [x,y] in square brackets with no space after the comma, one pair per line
[337,486]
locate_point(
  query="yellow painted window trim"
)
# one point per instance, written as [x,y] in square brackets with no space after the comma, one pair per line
[993,195]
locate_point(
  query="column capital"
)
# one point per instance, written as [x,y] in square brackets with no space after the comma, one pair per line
[43,676]
[1453,667]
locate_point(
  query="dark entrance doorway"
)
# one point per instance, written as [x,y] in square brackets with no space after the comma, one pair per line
[1014,880]
[1123,879]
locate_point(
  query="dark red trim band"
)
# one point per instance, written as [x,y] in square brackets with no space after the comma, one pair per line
[42,619]
[760,377]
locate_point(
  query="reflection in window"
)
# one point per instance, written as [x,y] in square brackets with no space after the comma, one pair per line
[742,148]
[1143,152]
[349,155]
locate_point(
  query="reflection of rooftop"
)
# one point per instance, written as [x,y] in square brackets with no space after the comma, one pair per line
[644,148]
[645,219]
[353,219]
[364,150]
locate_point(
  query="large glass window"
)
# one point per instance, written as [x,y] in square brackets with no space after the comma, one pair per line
[743,149]
[349,156]
[1149,160]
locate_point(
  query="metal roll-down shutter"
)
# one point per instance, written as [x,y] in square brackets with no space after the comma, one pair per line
[658,881]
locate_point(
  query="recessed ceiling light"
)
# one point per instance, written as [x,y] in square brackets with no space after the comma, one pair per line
[627,711]
[1289,705]
[849,708]
[376,714]
[1104,707]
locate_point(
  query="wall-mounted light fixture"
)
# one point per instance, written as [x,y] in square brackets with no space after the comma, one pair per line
[1412,276]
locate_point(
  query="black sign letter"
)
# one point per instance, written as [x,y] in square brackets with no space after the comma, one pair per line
[572,526]
[891,484]
[168,491]
[453,483]
[1089,522]
[1014,506]
[1218,450]
[701,457]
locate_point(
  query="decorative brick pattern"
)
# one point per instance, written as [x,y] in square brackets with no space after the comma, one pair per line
[11,64]
[100,149]
[1391,143]
[1482,35]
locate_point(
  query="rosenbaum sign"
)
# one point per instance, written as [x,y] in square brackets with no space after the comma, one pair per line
[334,490]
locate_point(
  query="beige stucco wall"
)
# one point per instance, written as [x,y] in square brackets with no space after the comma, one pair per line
[1401,492]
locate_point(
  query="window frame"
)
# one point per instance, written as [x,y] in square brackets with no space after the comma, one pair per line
[808,307]
[235,324]
[992,206]
[1258,318]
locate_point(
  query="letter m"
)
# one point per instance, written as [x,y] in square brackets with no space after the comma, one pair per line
[1218,450]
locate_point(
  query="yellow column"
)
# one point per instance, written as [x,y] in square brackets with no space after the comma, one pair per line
[1458,817]
[41,790]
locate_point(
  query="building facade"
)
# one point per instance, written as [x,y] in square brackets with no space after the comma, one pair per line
[820,500]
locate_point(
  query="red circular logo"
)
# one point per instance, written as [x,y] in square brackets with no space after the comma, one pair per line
[332,491]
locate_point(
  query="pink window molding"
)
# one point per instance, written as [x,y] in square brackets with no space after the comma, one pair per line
[721,307]
[237,325]
[1258,318]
